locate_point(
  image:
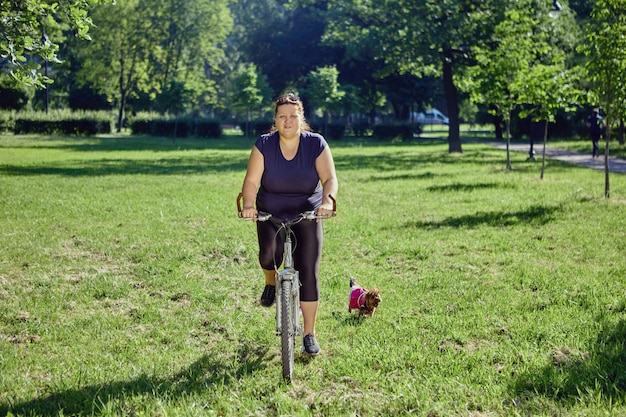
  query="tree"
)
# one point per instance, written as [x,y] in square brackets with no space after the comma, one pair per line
[248,94]
[605,47]
[24,34]
[191,36]
[283,39]
[323,90]
[494,78]
[429,37]
[116,63]
[526,67]
[546,89]
[161,48]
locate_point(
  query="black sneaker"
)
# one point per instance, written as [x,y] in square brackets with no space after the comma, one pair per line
[268,296]
[310,344]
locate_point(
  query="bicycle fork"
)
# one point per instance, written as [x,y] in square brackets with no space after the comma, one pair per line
[288,275]
[292,283]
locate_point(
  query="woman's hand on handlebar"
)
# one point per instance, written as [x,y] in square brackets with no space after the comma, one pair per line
[325,211]
[249,213]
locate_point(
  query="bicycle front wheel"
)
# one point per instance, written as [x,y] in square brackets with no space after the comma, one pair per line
[287,326]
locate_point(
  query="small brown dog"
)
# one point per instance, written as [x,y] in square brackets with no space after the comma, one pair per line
[362,300]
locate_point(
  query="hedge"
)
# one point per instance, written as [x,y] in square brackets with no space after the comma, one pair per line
[393,131]
[175,127]
[81,126]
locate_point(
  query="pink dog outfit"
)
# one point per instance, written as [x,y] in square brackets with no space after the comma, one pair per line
[357,299]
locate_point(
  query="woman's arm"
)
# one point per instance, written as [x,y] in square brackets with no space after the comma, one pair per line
[252,182]
[325,166]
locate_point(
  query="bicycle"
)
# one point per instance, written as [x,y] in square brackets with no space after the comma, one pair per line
[288,325]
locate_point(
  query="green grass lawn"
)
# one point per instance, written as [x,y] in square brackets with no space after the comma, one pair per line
[128,286]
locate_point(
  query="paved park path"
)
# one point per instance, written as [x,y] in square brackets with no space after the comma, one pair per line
[584,159]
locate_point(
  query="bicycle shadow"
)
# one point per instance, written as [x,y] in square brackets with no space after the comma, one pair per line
[208,370]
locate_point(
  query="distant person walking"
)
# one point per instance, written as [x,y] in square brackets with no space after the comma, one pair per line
[595,125]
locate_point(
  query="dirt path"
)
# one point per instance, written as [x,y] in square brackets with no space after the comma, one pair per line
[615,164]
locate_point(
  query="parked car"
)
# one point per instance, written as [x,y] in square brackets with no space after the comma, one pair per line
[430,117]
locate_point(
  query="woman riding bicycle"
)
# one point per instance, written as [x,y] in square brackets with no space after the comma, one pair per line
[290,171]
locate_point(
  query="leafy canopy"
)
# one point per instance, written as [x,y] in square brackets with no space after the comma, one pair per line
[24,34]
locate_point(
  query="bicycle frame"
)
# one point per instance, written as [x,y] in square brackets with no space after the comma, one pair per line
[288,325]
[288,274]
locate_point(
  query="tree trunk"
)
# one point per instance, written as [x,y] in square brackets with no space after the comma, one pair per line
[609,119]
[620,133]
[497,123]
[607,188]
[249,116]
[121,110]
[508,142]
[543,155]
[452,102]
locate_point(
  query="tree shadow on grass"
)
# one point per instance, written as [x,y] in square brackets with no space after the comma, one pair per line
[131,143]
[232,155]
[461,187]
[101,167]
[597,376]
[391,159]
[535,215]
[209,370]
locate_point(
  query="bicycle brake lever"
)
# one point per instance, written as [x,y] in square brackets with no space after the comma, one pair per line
[262,216]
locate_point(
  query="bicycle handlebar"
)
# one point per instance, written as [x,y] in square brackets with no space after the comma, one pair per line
[263,216]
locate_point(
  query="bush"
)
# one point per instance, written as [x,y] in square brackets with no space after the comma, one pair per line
[361,128]
[7,121]
[208,128]
[393,131]
[63,122]
[334,131]
[258,127]
[157,125]
[141,127]
[175,128]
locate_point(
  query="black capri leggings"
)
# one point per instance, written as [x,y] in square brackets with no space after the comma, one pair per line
[307,242]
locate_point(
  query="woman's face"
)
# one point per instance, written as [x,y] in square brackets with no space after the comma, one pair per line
[288,120]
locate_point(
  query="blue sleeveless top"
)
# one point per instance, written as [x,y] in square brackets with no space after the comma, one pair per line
[289,188]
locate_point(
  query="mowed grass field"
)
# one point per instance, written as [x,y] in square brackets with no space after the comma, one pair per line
[129,287]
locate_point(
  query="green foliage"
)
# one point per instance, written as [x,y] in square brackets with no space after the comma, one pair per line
[500,68]
[524,69]
[606,67]
[247,94]
[7,121]
[25,26]
[605,46]
[323,90]
[161,49]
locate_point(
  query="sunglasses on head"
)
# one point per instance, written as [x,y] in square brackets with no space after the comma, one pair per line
[288,99]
